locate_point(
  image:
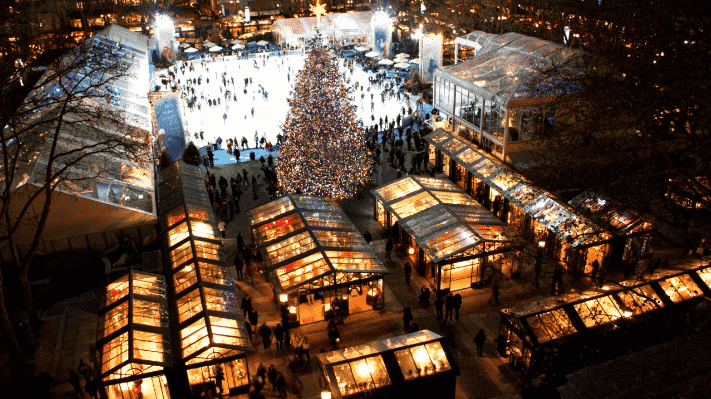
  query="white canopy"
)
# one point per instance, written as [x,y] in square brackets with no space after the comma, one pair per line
[191,50]
[215,48]
[184,44]
[208,44]
[361,48]
[262,43]
[385,62]
[236,41]
[403,55]
[372,54]
[414,61]
[402,65]
[238,46]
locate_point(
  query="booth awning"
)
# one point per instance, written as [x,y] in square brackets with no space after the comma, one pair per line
[133,336]
[209,319]
[555,215]
[617,219]
[442,218]
[305,238]
[385,367]
[567,315]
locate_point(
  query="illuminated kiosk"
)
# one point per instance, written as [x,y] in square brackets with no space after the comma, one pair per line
[316,257]
[208,323]
[407,366]
[353,28]
[632,230]
[452,241]
[557,228]
[593,326]
[134,337]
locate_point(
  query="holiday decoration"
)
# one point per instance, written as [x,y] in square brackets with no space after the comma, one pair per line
[324,151]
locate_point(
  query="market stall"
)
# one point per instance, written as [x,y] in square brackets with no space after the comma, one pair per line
[316,260]
[450,239]
[632,230]
[556,227]
[208,322]
[408,366]
[133,338]
[577,329]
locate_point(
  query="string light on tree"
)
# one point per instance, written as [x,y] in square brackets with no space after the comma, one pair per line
[324,151]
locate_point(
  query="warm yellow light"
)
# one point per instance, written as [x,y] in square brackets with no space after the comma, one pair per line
[364,369]
[542,244]
[411,250]
[325,395]
[318,9]
[420,355]
[283,298]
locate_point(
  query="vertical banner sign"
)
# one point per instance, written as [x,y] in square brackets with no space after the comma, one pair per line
[430,56]
[246,14]
[382,36]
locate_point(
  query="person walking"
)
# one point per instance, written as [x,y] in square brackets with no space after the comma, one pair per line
[334,334]
[479,340]
[222,227]
[457,305]
[75,380]
[280,385]
[593,273]
[246,303]
[266,333]
[219,378]
[439,304]
[495,293]
[408,272]
[253,316]
[449,306]
[279,336]
[388,248]
[239,265]
[367,236]
[272,376]
[557,284]
[407,317]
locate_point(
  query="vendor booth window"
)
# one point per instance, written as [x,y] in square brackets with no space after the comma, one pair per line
[155,387]
[422,360]
[432,158]
[234,371]
[680,288]
[361,375]
[380,212]
[597,312]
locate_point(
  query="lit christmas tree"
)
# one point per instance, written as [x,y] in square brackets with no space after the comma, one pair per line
[324,151]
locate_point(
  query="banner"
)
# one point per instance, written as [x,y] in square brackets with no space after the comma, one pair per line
[430,56]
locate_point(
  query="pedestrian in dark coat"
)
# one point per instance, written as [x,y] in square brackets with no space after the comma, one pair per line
[279,336]
[593,273]
[408,272]
[448,306]
[388,248]
[272,376]
[479,340]
[266,333]
[253,316]
[239,265]
[75,380]
[495,293]
[457,305]
[367,236]
[281,384]
[407,317]
[439,304]
[246,304]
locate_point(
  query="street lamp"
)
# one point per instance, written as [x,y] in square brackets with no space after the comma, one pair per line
[325,394]
[283,298]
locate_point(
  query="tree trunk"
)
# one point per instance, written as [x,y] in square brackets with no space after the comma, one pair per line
[8,332]
[32,314]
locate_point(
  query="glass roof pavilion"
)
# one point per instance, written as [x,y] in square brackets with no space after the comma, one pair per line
[442,218]
[209,319]
[306,238]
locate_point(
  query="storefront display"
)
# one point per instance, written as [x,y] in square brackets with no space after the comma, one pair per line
[208,321]
[316,257]
[134,337]
[568,235]
[412,364]
[453,239]
[573,322]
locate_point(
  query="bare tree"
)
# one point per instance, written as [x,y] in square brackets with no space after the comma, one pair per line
[68,131]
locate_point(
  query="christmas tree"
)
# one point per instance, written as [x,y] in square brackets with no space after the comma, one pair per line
[324,151]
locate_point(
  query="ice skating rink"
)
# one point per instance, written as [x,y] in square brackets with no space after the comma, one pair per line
[275,76]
